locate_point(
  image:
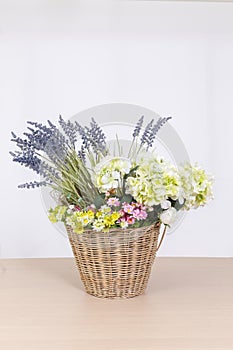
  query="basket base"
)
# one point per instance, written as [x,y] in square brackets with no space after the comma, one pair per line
[117,293]
[115,297]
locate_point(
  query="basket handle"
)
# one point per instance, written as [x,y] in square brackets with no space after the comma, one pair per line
[161,239]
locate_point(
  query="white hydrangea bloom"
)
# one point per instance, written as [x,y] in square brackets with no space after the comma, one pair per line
[110,172]
[197,186]
[155,181]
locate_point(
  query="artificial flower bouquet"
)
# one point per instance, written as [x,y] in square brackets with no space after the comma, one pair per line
[103,189]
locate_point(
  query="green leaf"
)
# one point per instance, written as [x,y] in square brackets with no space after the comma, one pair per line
[127,198]
[132,172]
[176,204]
[99,201]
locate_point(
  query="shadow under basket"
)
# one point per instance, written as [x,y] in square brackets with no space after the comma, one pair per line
[115,264]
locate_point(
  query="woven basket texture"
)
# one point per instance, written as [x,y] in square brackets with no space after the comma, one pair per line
[115,264]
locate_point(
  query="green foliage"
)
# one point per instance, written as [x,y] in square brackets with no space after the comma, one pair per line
[127,198]
[75,185]
[57,214]
[99,200]
[132,172]
[176,204]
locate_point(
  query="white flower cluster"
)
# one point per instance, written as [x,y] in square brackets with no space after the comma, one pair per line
[110,172]
[196,185]
[155,180]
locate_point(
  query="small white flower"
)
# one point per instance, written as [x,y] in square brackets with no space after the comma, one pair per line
[181,199]
[104,207]
[69,222]
[98,225]
[165,204]
[167,217]
[124,224]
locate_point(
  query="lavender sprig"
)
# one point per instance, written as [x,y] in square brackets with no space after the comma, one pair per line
[33,184]
[93,139]
[84,136]
[48,171]
[49,140]
[146,134]
[135,134]
[82,154]
[69,129]
[153,132]
[138,127]
[30,160]
[41,138]
[97,136]
[22,144]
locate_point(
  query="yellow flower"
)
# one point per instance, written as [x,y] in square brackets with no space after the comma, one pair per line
[52,218]
[99,214]
[108,221]
[115,216]
[78,227]
[90,214]
[82,215]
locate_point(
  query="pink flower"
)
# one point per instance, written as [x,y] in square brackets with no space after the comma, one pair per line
[122,212]
[114,201]
[124,216]
[121,219]
[128,208]
[130,220]
[139,214]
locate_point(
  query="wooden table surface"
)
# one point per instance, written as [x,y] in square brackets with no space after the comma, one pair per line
[188,305]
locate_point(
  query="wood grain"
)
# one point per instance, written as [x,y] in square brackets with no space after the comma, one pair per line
[188,305]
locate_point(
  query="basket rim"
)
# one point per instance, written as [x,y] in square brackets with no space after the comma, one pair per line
[118,231]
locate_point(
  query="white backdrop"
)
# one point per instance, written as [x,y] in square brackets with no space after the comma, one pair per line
[60,57]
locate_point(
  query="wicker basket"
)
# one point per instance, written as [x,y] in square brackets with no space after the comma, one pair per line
[115,264]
